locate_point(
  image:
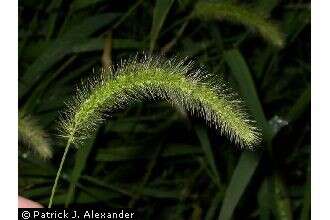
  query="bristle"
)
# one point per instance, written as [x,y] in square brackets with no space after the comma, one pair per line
[232,12]
[31,134]
[152,77]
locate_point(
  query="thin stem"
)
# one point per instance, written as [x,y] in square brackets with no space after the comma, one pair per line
[59,172]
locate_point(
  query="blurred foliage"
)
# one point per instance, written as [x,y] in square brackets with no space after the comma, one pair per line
[152,157]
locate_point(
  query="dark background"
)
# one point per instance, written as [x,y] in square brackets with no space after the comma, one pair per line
[152,157]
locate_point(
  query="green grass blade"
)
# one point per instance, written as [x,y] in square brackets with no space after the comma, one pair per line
[161,10]
[282,207]
[294,22]
[53,17]
[83,4]
[300,106]
[211,212]
[243,173]
[207,148]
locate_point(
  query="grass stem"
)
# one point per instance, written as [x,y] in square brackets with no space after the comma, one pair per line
[59,171]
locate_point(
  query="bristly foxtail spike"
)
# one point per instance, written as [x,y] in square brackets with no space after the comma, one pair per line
[177,81]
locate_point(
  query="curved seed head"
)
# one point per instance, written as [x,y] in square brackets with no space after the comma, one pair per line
[150,77]
[32,135]
[240,15]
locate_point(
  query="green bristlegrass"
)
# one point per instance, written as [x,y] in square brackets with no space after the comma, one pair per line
[175,81]
[32,135]
[241,15]
[152,78]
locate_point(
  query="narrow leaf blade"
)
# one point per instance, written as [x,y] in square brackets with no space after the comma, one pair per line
[161,10]
[244,170]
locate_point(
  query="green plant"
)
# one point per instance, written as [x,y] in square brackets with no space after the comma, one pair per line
[241,15]
[32,135]
[149,156]
[153,77]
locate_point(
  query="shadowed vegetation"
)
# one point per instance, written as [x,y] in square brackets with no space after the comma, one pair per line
[164,161]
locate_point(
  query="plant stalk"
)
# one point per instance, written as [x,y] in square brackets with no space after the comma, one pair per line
[59,172]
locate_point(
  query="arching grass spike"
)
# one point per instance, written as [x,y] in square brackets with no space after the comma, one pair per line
[241,15]
[32,135]
[150,77]
[177,82]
